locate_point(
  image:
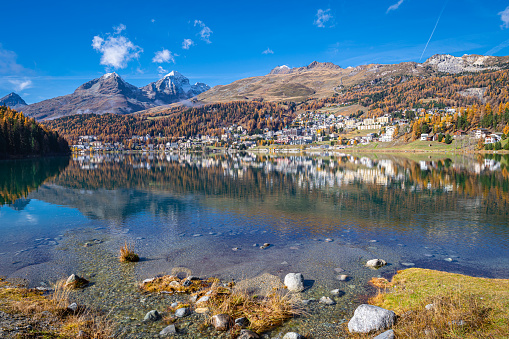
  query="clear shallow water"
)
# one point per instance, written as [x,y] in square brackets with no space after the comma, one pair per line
[442,212]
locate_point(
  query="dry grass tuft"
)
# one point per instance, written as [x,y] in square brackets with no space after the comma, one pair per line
[263,312]
[172,284]
[127,253]
[52,310]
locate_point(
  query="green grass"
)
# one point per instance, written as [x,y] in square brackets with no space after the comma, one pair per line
[481,303]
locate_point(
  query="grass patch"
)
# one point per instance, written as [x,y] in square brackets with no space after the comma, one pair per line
[462,306]
[37,309]
[127,253]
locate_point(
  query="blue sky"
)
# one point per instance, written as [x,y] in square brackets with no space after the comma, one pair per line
[49,50]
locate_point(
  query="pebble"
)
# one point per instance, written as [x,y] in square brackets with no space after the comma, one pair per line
[197,235]
[203,299]
[235,249]
[326,300]
[284,263]
[221,322]
[342,277]
[448,259]
[182,312]
[247,334]
[339,270]
[242,322]
[152,316]
[335,292]
[168,330]
[373,241]
[175,304]
[328,240]
[407,264]
[201,310]
[376,263]
[264,246]
[292,335]
[429,307]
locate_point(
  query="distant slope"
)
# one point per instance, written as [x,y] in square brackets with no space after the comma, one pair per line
[321,80]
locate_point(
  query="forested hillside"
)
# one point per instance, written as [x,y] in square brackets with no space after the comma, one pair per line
[177,122]
[22,136]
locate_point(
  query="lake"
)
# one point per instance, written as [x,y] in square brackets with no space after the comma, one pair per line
[322,214]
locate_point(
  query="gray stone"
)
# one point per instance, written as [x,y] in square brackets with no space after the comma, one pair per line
[386,335]
[408,264]
[182,312]
[73,307]
[152,316]
[168,330]
[203,299]
[342,277]
[247,334]
[292,335]
[376,263]
[222,322]
[294,282]
[368,318]
[429,307]
[186,283]
[242,322]
[175,304]
[335,292]
[326,301]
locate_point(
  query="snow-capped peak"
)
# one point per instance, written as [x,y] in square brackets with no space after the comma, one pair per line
[107,75]
[174,74]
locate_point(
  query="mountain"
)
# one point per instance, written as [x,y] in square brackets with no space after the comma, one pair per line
[325,79]
[171,88]
[112,94]
[13,101]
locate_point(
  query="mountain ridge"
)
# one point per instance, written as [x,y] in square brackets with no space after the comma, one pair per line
[110,93]
[13,101]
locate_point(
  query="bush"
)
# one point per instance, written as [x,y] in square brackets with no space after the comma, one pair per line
[506,146]
[440,137]
[448,139]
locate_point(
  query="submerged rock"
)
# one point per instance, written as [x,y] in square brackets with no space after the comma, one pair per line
[368,318]
[168,330]
[75,281]
[326,300]
[292,335]
[294,282]
[152,316]
[376,263]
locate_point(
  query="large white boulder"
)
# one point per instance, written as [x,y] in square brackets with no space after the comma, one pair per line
[368,318]
[294,282]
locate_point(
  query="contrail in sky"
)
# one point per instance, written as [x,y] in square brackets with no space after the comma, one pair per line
[436,24]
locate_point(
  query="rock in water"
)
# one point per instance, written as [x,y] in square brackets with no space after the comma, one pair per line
[247,334]
[292,335]
[75,281]
[294,282]
[376,263]
[222,322]
[169,330]
[368,318]
[326,301]
[182,312]
[386,335]
[152,316]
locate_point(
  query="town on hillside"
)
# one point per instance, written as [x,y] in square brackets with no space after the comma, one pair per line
[325,130]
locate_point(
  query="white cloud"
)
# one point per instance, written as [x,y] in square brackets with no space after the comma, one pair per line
[187,43]
[504,16]
[8,63]
[118,29]
[163,56]
[20,85]
[268,51]
[322,17]
[498,48]
[161,71]
[153,20]
[205,31]
[116,49]
[395,6]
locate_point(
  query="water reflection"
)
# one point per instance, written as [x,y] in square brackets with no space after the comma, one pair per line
[20,177]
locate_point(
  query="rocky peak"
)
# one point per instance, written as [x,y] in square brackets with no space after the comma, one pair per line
[324,65]
[280,70]
[12,100]
[172,87]
[108,84]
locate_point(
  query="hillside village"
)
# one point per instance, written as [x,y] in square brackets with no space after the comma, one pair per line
[320,129]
